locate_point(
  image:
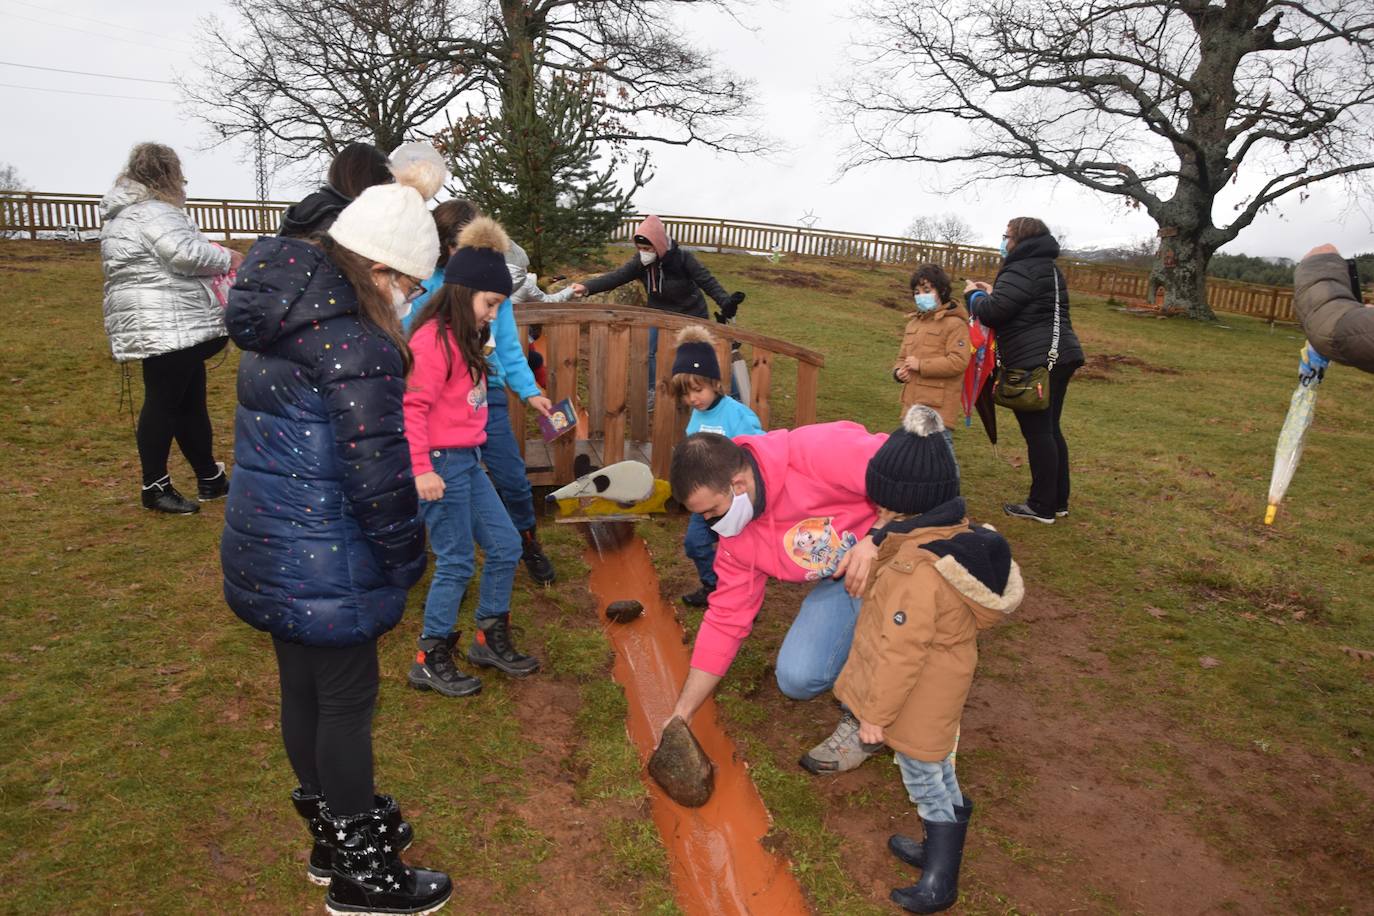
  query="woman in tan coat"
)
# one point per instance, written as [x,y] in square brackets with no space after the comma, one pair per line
[938,580]
[935,348]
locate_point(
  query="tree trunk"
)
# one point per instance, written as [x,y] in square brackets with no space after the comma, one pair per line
[1180,270]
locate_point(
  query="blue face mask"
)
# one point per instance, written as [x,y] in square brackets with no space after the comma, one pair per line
[1003,246]
[927,302]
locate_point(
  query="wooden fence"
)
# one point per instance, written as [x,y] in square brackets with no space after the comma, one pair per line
[579,337]
[31,213]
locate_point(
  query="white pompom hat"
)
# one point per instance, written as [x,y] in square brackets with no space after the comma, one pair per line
[391,223]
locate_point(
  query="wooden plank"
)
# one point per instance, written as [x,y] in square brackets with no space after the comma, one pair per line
[617,372]
[596,377]
[562,363]
[667,430]
[760,378]
[808,379]
[638,396]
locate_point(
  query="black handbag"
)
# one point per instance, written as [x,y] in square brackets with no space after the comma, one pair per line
[1029,389]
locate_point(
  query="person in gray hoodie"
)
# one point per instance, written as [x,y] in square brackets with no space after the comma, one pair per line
[159,308]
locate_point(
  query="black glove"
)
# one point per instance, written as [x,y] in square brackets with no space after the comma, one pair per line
[730,308]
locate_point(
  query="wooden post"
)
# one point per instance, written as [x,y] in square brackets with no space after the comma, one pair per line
[667,430]
[596,378]
[516,409]
[226,219]
[33,216]
[617,370]
[760,378]
[808,377]
[638,397]
[562,362]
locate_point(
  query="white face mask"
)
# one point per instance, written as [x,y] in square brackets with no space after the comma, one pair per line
[741,513]
[400,302]
[647,257]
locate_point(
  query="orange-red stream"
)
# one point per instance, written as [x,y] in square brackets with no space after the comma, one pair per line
[718,864]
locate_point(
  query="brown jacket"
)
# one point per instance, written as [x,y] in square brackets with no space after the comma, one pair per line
[939,339]
[915,648]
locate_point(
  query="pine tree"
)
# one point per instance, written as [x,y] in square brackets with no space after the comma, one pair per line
[537,167]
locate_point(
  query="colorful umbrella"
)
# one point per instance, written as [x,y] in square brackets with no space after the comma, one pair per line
[977,393]
[1288,452]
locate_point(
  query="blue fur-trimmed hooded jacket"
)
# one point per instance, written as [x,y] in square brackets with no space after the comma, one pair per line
[322,531]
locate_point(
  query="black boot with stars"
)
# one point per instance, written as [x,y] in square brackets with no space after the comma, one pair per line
[369,876]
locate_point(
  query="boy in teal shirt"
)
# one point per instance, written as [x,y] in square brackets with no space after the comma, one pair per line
[696,381]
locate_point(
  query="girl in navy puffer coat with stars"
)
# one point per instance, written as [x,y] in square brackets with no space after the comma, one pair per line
[323,535]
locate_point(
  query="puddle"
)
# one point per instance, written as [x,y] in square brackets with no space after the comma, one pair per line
[718,864]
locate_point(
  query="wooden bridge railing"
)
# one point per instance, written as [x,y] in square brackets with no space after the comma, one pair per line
[33,212]
[598,355]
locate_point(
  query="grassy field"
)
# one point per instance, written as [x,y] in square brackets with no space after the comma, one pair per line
[1175,654]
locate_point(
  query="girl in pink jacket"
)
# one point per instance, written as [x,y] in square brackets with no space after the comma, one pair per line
[445,419]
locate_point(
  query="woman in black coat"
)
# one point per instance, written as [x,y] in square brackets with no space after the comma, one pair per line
[1020,307]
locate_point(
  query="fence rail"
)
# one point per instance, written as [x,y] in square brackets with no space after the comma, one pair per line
[32,213]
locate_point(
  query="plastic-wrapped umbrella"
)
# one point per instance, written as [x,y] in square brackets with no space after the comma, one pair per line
[1288,453]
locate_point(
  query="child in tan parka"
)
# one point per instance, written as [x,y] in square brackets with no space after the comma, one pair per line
[935,348]
[937,581]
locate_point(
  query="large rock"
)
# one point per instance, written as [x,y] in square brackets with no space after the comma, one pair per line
[624,611]
[681,767]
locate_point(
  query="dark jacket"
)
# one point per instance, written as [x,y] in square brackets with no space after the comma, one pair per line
[674,282]
[315,213]
[1335,322]
[322,531]
[1021,307]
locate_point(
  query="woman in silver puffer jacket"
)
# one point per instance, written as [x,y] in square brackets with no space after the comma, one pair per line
[159,309]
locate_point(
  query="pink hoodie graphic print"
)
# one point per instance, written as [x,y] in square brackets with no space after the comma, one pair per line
[816,508]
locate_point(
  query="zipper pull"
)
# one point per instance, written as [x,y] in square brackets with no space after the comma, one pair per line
[1039,391]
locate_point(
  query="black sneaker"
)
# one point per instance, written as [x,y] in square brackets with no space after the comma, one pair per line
[492,648]
[434,670]
[212,488]
[161,496]
[1021,510]
[541,569]
[699,598]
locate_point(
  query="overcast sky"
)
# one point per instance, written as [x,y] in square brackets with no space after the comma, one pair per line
[61,141]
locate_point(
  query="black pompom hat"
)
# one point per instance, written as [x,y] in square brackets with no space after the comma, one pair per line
[696,357]
[914,470]
[480,261]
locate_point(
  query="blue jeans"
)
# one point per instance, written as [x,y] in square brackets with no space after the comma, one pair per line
[501,455]
[700,547]
[468,512]
[932,787]
[817,644]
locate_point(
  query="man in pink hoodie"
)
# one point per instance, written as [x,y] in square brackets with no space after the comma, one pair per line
[789,505]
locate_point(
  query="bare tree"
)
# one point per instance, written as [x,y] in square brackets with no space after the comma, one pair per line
[1169,104]
[657,87]
[950,228]
[312,76]
[10,180]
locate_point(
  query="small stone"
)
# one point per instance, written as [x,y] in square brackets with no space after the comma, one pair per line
[681,767]
[624,611]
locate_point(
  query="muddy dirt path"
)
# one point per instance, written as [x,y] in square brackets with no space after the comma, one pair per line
[1087,807]
[719,866]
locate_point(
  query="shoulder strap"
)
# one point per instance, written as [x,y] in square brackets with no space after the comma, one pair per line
[1054,340]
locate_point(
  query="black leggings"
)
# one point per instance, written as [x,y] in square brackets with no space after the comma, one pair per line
[174,408]
[327,699]
[1046,449]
